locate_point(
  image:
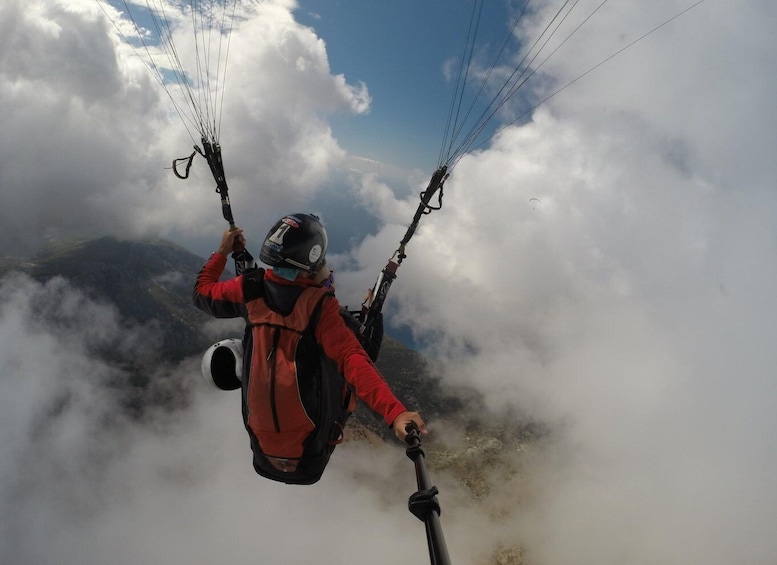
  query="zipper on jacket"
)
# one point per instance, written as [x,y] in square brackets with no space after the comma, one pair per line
[271,361]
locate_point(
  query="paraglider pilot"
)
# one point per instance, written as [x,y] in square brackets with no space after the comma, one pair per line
[302,364]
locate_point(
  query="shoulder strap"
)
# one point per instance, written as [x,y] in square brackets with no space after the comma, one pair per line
[315,315]
[253,284]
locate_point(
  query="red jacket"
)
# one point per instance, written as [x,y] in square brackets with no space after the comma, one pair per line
[228,299]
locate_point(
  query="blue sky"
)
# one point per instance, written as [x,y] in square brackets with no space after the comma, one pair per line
[399,49]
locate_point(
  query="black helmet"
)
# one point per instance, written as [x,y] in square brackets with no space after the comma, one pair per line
[296,240]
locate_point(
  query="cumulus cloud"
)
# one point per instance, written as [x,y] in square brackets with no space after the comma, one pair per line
[630,312]
[630,309]
[94,133]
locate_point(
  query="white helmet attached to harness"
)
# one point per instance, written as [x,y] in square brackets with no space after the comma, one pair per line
[222,364]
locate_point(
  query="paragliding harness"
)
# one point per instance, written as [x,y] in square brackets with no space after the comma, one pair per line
[319,384]
[295,402]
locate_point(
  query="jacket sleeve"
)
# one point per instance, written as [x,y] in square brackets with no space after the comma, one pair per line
[219,299]
[341,345]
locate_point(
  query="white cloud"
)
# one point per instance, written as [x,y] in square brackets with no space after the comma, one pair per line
[93,132]
[83,481]
[631,311]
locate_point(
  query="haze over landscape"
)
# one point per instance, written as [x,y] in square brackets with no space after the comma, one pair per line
[628,313]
